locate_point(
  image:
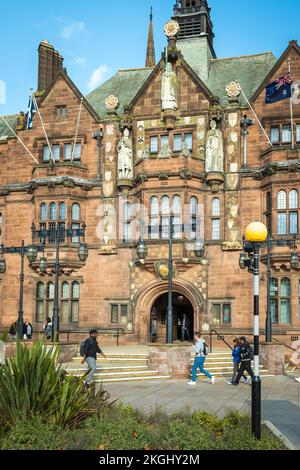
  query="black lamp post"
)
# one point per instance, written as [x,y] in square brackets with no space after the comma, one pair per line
[32,252]
[59,236]
[170,317]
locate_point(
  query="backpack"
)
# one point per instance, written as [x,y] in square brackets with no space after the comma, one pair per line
[247,353]
[205,349]
[81,349]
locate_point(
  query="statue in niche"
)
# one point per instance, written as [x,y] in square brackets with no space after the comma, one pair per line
[169,88]
[214,150]
[165,151]
[125,156]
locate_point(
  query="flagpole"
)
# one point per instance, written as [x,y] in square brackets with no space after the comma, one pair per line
[77,127]
[256,117]
[18,138]
[292,110]
[44,129]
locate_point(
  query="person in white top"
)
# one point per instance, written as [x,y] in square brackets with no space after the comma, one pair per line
[200,348]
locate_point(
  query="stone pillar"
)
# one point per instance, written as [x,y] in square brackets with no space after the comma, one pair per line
[171,360]
[2,352]
[272,356]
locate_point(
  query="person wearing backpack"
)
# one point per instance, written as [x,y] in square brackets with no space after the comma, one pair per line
[246,356]
[236,361]
[88,350]
[201,351]
[48,329]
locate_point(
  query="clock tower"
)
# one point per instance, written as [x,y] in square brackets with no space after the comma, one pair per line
[196,36]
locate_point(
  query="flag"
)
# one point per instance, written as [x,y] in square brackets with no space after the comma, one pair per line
[31,112]
[279,90]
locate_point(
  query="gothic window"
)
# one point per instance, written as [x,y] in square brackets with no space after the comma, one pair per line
[114,313]
[281,301]
[75,302]
[177,142]
[287,212]
[64,307]
[77,152]
[165,217]
[221,314]
[286,134]
[76,212]
[61,112]
[126,222]
[56,152]
[216,219]
[153,144]
[194,215]
[189,140]
[119,313]
[154,235]
[298,133]
[43,213]
[164,140]
[68,152]
[275,135]
[50,299]
[46,154]
[40,306]
[53,209]
[177,217]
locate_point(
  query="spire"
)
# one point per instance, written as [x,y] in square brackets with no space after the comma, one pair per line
[150,58]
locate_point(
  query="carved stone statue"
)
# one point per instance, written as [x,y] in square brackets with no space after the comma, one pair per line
[214,150]
[165,151]
[125,156]
[185,151]
[169,88]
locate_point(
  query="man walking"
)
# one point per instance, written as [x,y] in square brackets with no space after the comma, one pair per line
[90,350]
[236,361]
[246,356]
[201,351]
[185,328]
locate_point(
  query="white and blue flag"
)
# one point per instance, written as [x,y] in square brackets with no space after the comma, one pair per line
[31,112]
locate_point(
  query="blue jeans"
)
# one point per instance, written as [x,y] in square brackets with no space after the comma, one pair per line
[91,362]
[199,364]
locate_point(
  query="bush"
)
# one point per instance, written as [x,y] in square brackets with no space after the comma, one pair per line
[34,434]
[32,385]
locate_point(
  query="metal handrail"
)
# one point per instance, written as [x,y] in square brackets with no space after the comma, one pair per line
[219,337]
[284,344]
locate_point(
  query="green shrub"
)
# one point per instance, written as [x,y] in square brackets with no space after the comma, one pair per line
[34,434]
[31,384]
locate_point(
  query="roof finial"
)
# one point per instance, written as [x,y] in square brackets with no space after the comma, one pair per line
[150,57]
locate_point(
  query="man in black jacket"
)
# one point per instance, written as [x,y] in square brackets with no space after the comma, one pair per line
[90,350]
[246,356]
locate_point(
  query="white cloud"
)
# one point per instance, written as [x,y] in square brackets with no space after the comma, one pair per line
[79,61]
[98,77]
[72,30]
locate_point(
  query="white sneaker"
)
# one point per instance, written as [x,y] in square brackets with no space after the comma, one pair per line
[192,383]
[297,379]
[246,380]
[213,379]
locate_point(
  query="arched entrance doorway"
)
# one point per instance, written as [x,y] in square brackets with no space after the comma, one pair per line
[183,318]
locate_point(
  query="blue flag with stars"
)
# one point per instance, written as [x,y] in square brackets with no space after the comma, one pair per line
[31,112]
[279,90]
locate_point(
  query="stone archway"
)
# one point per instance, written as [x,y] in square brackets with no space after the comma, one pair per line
[146,297]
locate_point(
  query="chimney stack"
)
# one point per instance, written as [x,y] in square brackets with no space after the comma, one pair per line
[50,63]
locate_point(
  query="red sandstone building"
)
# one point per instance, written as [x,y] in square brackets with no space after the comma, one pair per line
[172,142]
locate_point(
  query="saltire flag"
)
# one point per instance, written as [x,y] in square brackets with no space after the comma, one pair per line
[31,112]
[279,90]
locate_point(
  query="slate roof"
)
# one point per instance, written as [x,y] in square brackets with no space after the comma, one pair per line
[249,71]
[4,130]
[125,85]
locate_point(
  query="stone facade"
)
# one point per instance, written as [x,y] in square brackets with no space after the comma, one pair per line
[115,291]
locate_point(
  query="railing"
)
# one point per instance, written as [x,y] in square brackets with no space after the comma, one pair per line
[219,337]
[284,344]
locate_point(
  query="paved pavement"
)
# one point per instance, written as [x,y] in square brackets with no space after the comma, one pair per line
[280,399]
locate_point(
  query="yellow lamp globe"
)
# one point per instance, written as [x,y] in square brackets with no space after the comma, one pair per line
[256,232]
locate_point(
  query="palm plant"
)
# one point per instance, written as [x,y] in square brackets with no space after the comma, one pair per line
[32,385]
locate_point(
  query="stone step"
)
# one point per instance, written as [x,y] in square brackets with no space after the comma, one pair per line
[134,379]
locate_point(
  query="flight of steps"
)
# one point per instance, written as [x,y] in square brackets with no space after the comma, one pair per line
[132,365]
[119,367]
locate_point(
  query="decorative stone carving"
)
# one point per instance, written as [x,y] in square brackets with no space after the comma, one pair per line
[169,88]
[171,29]
[232,119]
[214,150]
[125,159]
[186,174]
[185,151]
[111,103]
[108,184]
[146,152]
[162,269]
[233,90]
[110,130]
[107,230]
[232,181]
[165,151]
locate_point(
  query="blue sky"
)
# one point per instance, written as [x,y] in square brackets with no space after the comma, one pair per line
[98,37]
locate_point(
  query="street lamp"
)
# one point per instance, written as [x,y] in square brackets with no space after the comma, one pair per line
[199,249]
[43,265]
[170,284]
[256,234]
[57,236]
[32,252]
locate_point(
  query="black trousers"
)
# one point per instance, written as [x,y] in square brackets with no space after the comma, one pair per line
[244,366]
